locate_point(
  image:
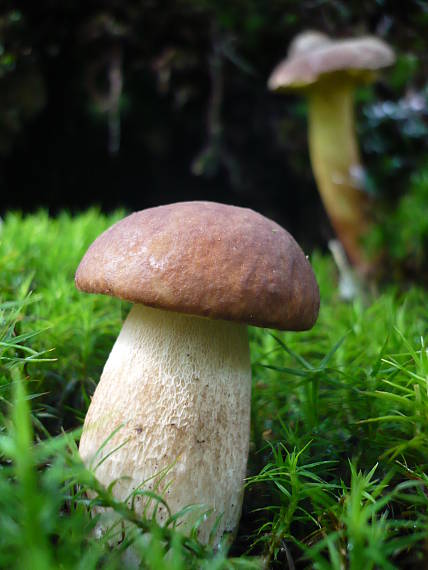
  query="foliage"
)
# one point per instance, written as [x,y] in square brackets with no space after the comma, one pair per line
[140,103]
[338,475]
[402,234]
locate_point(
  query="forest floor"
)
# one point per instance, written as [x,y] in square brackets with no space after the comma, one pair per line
[338,467]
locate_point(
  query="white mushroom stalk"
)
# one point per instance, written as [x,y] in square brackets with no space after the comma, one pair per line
[180,387]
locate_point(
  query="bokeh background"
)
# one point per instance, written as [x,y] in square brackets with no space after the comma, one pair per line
[140,103]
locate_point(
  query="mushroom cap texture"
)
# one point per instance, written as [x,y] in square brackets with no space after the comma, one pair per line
[312,55]
[205,259]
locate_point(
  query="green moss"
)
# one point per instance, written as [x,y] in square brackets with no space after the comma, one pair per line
[338,462]
[402,232]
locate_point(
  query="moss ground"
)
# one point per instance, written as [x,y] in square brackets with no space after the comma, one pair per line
[338,469]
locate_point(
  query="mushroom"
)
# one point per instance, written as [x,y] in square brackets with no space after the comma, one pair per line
[327,71]
[171,412]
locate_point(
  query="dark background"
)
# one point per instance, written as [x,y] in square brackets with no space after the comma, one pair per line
[181,63]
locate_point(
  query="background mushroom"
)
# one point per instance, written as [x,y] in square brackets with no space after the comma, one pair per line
[327,72]
[178,379]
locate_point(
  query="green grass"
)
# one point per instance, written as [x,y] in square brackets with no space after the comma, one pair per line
[338,468]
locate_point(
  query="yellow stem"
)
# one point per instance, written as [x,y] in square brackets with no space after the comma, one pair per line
[336,164]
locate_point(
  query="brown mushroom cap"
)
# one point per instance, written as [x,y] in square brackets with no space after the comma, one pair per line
[205,259]
[312,55]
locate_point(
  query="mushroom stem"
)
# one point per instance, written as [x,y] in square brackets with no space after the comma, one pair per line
[180,387]
[336,164]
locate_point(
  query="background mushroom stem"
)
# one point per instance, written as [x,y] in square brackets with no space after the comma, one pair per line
[177,389]
[337,166]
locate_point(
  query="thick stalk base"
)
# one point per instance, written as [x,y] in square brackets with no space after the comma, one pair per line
[178,388]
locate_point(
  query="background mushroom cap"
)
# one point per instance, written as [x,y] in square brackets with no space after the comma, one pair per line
[312,55]
[205,259]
